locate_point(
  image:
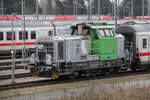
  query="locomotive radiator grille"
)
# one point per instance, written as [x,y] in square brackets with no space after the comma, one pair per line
[49,47]
[41,56]
[60,51]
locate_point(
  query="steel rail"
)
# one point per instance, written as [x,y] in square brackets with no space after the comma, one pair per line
[62,80]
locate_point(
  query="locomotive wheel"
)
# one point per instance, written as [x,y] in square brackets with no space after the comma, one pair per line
[115,70]
[148,68]
[106,71]
[134,67]
[72,76]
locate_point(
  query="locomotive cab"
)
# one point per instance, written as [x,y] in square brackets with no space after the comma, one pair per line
[104,42]
[103,39]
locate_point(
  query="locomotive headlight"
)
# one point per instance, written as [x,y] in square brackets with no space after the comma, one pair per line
[48,59]
[40,46]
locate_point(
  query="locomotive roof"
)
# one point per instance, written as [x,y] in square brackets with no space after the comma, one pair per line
[8,24]
[133,28]
[102,26]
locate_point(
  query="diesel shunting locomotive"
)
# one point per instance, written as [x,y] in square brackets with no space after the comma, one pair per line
[90,49]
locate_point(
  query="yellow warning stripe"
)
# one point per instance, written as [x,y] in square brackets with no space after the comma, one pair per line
[54,75]
[35,74]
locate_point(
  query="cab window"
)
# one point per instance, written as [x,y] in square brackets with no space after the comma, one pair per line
[1,35]
[111,32]
[106,32]
[21,35]
[9,35]
[102,33]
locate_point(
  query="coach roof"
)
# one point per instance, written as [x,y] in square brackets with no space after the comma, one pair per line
[102,26]
[8,24]
[133,28]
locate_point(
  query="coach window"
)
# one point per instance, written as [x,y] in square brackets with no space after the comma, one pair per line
[33,35]
[26,35]
[9,36]
[1,35]
[144,43]
[21,35]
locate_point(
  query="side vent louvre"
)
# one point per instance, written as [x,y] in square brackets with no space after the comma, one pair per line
[60,50]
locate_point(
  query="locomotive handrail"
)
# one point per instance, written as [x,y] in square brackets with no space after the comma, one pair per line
[131,50]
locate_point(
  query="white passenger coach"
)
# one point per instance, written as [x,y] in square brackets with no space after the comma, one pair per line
[137,37]
[33,30]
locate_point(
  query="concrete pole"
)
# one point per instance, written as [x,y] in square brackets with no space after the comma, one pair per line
[2,9]
[118,9]
[148,8]
[99,9]
[13,50]
[113,8]
[22,7]
[132,12]
[76,7]
[115,13]
[143,6]
[90,9]
[24,53]
[37,9]
[23,33]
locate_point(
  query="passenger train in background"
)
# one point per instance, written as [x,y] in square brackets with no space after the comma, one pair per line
[36,29]
[33,30]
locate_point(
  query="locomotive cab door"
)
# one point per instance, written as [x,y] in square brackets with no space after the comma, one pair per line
[144,51]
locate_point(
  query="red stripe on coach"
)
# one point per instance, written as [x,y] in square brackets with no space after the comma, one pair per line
[144,54]
[17,44]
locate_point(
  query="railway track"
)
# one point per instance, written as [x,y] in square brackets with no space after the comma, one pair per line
[7,62]
[59,81]
[2,68]
[3,57]
[4,77]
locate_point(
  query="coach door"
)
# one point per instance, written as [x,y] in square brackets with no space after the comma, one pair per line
[144,52]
